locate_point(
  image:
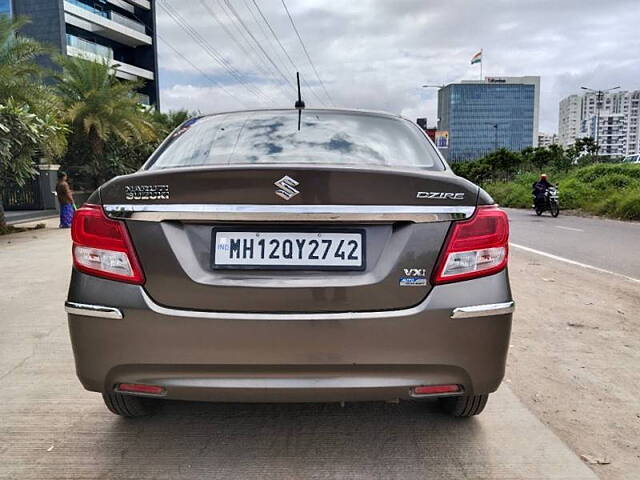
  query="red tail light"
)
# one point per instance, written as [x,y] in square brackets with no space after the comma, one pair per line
[475,248]
[102,246]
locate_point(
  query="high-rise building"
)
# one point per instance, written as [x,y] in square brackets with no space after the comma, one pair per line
[481,116]
[613,120]
[119,32]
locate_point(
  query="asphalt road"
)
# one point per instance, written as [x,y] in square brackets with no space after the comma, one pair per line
[51,428]
[607,244]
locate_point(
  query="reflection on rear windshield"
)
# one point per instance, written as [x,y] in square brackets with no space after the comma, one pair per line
[324,138]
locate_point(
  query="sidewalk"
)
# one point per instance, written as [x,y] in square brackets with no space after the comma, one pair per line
[20,216]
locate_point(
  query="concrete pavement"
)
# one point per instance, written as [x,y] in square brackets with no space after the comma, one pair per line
[51,428]
[21,216]
[608,244]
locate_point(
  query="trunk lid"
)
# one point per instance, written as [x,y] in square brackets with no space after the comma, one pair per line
[171,214]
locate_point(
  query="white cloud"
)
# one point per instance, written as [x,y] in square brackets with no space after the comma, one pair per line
[375,54]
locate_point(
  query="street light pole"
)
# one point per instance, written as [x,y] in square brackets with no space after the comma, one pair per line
[495,143]
[439,87]
[599,100]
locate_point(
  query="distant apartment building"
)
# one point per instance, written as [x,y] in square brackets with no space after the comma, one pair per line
[119,32]
[547,139]
[617,130]
[569,120]
[480,116]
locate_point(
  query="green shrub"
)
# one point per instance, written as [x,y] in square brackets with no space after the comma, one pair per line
[607,205]
[527,179]
[574,193]
[614,181]
[629,206]
[509,194]
[594,172]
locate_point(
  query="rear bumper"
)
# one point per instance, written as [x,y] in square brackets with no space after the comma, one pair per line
[290,357]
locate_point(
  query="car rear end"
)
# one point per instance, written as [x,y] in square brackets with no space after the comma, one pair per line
[254,260]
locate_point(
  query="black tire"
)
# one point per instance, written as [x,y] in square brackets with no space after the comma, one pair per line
[128,405]
[464,406]
[555,209]
[538,211]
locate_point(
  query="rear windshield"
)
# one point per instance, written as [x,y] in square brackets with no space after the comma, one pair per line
[273,137]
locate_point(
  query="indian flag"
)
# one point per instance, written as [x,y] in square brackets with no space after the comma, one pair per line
[477,58]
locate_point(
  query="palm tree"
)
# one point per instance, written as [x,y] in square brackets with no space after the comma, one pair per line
[20,74]
[29,125]
[98,106]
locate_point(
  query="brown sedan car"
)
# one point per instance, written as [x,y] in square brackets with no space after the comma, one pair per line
[258,257]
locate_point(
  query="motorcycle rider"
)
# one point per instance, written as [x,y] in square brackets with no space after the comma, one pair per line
[540,190]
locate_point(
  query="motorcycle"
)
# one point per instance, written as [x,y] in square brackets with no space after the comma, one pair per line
[550,202]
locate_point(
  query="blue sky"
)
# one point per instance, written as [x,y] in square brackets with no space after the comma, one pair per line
[375,54]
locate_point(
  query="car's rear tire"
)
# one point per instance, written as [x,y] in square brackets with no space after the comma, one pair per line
[128,405]
[464,406]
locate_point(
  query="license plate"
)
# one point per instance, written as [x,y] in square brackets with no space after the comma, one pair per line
[280,250]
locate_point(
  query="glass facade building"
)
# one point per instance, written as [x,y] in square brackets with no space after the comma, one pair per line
[5,7]
[483,116]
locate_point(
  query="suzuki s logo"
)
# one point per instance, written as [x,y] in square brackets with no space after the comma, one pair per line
[287,188]
[441,195]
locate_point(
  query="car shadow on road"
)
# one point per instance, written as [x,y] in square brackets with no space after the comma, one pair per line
[361,440]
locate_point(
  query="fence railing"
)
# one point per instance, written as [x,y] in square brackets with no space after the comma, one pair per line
[127,22]
[89,8]
[89,47]
[26,197]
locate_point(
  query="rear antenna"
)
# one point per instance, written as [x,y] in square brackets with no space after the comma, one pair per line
[299,103]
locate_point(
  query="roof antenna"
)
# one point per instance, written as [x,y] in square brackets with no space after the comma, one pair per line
[299,103]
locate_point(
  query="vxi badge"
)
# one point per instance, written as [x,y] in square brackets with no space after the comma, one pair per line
[441,195]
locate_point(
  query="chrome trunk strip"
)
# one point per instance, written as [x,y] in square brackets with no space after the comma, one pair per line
[177,312]
[114,313]
[289,213]
[484,310]
[92,310]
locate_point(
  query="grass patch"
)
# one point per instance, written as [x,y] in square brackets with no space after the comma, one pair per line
[611,190]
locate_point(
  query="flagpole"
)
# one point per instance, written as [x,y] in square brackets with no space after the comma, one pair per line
[481,62]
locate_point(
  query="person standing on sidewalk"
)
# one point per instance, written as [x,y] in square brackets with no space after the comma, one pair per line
[65,198]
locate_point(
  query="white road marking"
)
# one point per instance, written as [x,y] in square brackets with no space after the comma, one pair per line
[573,262]
[569,228]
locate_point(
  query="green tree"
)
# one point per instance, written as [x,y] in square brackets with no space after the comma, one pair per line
[504,163]
[587,145]
[167,122]
[23,135]
[583,152]
[98,107]
[559,159]
[122,158]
